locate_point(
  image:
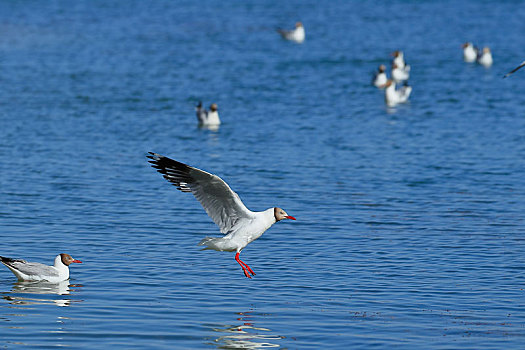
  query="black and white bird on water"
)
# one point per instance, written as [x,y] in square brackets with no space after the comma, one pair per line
[32,271]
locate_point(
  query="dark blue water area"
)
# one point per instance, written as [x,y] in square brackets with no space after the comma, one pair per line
[410,227]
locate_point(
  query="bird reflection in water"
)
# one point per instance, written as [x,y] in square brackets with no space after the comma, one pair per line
[40,289]
[245,335]
[214,128]
[212,138]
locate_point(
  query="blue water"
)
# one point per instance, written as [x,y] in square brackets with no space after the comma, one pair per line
[410,230]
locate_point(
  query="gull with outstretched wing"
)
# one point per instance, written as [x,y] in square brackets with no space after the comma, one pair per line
[240,225]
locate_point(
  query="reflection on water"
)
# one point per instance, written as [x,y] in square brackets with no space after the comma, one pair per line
[209,127]
[212,137]
[41,289]
[245,335]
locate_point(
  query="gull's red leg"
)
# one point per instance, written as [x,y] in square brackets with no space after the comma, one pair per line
[246,265]
[241,263]
[245,268]
[249,269]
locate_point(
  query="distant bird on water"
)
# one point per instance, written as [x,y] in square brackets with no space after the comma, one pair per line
[208,118]
[30,271]
[399,61]
[380,77]
[485,58]
[470,53]
[515,69]
[240,225]
[400,74]
[297,35]
[394,97]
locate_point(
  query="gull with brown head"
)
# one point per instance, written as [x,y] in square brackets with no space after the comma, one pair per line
[296,35]
[208,118]
[31,271]
[240,225]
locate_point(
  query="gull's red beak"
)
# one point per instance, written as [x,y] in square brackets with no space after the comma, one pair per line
[290,217]
[77,261]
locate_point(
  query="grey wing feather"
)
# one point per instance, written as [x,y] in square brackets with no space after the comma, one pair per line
[221,203]
[32,268]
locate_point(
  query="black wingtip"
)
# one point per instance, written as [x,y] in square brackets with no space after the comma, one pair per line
[514,70]
[169,167]
[6,260]
[155,161]
[155,157]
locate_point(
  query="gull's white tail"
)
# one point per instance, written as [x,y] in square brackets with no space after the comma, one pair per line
[211,243]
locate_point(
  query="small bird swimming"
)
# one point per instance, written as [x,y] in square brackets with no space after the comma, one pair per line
[399,61]
[515,69]
[470,53]
[400,74]
[485,58]
[240,225]
[31,271]
[297,35]
[394,97]
[380,77]
[208,118]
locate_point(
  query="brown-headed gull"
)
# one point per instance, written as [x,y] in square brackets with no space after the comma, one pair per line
[485,58]
[240,225]
[393,97]
[208,118]
[515,69]
[31,271]
[470,53]
[399,60]
[380,77]
[296,34]
[399,74]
